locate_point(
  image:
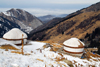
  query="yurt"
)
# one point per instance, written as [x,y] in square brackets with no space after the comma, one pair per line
[15,36]
[74,46]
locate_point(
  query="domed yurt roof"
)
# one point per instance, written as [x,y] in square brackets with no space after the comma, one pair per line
[74,42]
[74,46]
[14,33]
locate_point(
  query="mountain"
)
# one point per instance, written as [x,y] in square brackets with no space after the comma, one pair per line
[25,20]
[6,25]
[62,15]
[48,25]
[48,18]
[77,24]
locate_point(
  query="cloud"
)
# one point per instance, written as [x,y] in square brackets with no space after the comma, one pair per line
[73,1]
[42,12]
[45,7]
[35,3]
[4,9]
[51,1]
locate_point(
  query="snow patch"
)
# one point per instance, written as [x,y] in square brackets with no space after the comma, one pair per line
[5,42]
[25,28]
[7,14]
[34,45]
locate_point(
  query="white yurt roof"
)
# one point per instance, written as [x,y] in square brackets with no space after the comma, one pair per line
[73,42]
[14,33]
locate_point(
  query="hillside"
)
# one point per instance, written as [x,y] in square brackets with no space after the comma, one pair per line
[24,19]
[39,54]
[48,25]
[77,24]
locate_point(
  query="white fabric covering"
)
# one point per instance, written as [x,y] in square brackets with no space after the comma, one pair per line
[73,42]
[14,33]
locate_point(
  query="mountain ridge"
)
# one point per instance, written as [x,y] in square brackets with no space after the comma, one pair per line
[48,18]
[76,24]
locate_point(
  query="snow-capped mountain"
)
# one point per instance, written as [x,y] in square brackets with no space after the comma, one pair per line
[25,20]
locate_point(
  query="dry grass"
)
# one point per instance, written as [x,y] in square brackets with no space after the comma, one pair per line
[62,64]
[39,59]
[56,45]
[93,55]
[8,47]
[17,52]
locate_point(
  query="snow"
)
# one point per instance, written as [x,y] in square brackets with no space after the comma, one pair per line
[5,42]
[7,14]
[35,60]
[25,27]
[41,57]
[73,42]
[28,29]
[35,45]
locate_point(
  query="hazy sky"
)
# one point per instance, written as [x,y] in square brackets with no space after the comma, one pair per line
[45,7]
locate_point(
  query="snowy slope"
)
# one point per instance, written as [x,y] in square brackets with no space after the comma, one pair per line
[42,58]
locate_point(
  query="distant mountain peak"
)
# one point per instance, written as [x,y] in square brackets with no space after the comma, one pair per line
[24,19]
[48,18]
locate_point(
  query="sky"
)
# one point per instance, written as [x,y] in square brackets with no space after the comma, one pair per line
[46,7]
